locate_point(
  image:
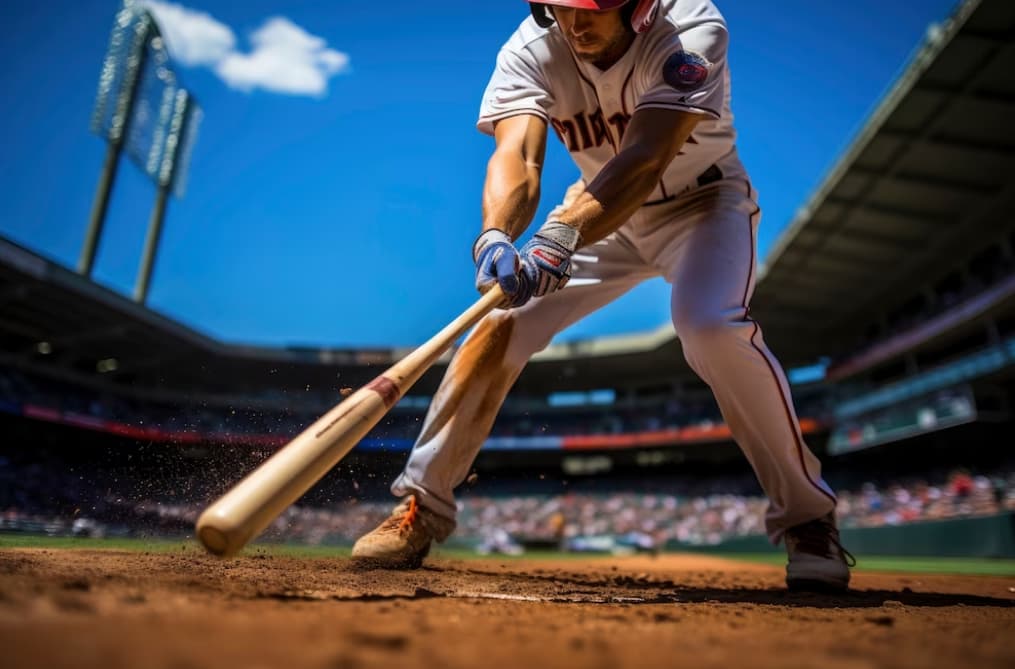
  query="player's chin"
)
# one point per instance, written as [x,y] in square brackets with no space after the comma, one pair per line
[589,54]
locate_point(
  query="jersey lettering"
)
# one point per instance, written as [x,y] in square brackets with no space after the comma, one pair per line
[600,133]
[566,132]
[583,127]
[585,132]
[619,121]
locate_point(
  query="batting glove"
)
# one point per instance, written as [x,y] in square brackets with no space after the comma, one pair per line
[497,261]
[546,259]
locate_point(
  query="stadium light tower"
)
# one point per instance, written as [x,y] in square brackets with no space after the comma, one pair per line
[142,109]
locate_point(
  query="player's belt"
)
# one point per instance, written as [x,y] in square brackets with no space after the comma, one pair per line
[709,176]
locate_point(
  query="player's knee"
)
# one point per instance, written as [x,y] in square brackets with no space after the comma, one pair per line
[702,329]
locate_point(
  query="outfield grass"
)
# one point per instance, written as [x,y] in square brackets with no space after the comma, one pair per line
[158,545]
[151,545]
[916,565]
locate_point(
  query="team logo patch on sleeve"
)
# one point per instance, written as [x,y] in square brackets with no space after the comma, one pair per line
[685,70]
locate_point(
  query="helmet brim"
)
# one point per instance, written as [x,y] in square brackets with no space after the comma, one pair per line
[596,5]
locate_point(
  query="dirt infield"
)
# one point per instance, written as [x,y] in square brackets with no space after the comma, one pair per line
[110,609]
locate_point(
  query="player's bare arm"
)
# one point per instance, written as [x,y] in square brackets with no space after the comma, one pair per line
[511,192]
[653,138]
[510,198]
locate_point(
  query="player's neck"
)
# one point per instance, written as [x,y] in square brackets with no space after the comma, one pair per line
[609,58]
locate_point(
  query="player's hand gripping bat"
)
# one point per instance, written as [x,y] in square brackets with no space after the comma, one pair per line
[251,505]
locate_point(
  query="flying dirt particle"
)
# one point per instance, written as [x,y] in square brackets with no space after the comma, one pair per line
[473,477]
[885,621]
[74,604]
[381,641]
[78,584]
[345,392]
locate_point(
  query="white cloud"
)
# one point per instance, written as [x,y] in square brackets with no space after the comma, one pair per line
[192,37]
[285,58]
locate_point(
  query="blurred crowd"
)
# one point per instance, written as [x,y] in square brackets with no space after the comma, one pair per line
[654,519]
[30,496]
[961,495]
[712,519]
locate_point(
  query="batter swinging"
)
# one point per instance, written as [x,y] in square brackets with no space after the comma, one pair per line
[639,93]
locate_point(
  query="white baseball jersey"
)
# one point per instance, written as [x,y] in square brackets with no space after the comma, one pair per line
[679,63]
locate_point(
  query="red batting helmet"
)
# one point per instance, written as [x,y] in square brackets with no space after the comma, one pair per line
[641,16]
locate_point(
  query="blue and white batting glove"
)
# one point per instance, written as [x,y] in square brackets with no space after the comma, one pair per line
[497,261]
[546,258]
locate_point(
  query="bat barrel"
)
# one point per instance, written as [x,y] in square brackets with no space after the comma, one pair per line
[217,534]
[248,508]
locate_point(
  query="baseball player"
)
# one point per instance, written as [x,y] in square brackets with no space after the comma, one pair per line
[638,91]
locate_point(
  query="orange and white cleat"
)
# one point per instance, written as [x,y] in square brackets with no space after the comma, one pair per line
[817,560]
[403,540]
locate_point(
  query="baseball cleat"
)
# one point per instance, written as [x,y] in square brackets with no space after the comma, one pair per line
[404,538]
[817,560]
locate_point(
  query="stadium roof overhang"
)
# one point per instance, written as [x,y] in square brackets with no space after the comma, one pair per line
[931,175]
[928,180]
[55,321]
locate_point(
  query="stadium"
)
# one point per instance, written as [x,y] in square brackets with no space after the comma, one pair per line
[609,521]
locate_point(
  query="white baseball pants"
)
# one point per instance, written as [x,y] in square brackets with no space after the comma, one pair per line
[703,244]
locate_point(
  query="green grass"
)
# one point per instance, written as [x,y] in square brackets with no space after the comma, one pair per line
[916,565]
[138,545]
[162,546]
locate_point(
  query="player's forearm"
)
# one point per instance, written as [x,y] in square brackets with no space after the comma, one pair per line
[511,193]
[614,195]
[653,138]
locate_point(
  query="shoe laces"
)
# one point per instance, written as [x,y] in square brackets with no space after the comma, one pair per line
[406,518]
[815,536]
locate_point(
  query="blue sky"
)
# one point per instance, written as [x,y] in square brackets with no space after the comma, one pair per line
[341,212]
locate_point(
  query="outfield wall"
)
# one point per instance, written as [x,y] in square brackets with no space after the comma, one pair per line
[992,536]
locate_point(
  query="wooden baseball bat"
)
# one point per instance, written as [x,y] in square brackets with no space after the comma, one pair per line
[245,510]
